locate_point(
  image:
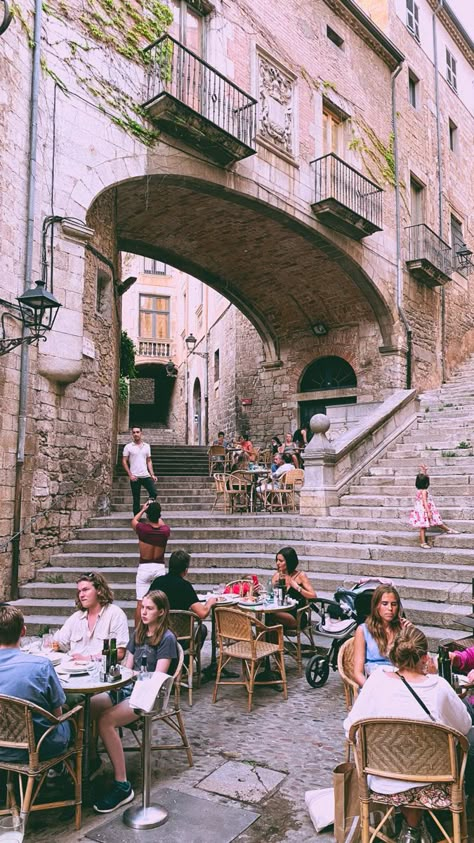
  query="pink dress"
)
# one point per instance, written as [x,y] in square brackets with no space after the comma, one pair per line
[418,516]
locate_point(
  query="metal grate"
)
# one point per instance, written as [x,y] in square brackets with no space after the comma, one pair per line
[337,180]
[424,244]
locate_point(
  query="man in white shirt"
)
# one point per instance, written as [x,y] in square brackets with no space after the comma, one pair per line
[137,463]
[97,619]
[283,464]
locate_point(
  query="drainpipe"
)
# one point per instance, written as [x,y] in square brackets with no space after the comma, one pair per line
[23,388]
[440,184]
[401,312]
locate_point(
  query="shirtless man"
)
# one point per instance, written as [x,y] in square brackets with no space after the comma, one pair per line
[153,536]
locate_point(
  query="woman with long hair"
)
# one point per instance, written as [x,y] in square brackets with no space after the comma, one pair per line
[390,693]
[154,640]
[297,586]
[373,639]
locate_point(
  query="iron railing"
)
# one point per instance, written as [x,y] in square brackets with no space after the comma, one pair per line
[337,180]
[154,348]
[424,244]
[180,73]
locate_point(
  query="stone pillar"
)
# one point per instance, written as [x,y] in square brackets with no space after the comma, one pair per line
[318,492]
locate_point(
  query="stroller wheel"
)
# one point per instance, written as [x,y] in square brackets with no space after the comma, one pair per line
[317,671]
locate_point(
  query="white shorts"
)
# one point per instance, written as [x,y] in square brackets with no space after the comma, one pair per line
[146,573]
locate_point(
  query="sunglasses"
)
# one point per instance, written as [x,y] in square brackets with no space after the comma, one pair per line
[91,577]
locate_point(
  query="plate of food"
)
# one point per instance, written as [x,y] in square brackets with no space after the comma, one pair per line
[75,668]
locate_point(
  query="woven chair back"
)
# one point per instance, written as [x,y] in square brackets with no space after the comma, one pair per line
[345,666]
[16,723]
[294,478]
[241,583]
[220,481]
[233,624]
[216,451]
[238,481]
[409,750]
[182,623]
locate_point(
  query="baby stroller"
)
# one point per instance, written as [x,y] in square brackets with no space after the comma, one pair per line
[337,620]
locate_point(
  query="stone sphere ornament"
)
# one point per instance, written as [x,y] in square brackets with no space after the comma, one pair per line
[319,423]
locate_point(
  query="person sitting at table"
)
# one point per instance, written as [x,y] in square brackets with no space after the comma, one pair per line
[283,463]
[297,584]
[290,448]
[462,661]
[221,440]
[30,677]
[97,619]
[385,694]
[374,638]
[153,639]
[241,463]
[180,592]
[248,447]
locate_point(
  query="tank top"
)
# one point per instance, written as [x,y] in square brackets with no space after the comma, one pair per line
[372,652]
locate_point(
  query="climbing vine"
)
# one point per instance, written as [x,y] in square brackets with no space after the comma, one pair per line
[118,28]
[378,157]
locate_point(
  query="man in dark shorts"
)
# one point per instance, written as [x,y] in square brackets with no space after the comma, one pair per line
[153,537]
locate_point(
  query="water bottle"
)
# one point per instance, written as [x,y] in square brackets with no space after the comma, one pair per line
[143,669]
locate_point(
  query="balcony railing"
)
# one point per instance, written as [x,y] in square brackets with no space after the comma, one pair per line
[429,257]
[345,199]
[192,100]
[154,348]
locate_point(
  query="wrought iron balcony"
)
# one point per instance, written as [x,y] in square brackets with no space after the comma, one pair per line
[189,99]
[345,199]
[155,349]
[429,257]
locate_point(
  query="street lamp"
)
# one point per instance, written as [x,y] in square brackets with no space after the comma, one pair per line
[464,256]
[37,312]
[171,370]
[191,345]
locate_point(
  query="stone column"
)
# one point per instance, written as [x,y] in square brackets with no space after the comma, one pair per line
[318,492]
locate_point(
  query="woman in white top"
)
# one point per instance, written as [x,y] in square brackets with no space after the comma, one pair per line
[385,695]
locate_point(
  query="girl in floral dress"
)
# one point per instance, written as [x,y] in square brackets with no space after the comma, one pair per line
[425,513]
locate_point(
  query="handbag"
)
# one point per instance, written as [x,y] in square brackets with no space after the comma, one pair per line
[346,803]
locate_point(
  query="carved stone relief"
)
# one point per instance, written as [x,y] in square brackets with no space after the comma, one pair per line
[276,92]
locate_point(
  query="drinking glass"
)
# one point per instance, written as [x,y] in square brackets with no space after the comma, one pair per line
[11,829]
[220,588]
[47,641]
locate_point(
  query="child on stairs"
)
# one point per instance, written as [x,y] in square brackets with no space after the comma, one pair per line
[425,513]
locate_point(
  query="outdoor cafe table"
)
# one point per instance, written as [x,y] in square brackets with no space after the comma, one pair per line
[88,684]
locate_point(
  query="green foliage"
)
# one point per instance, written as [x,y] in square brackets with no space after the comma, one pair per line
[464,445]
[127,356]
[378,157]
[123,390]
[54,578]
[448,454]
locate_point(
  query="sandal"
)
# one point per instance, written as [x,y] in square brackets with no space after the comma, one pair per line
[425,546]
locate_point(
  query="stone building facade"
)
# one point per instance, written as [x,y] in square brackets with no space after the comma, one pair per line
[235,175]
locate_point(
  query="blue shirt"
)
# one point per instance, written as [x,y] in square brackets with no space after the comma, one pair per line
[372,652]
[33,678]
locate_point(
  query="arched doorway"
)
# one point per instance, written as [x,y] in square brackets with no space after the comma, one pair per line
[326,375]
[197,413]
[150,396]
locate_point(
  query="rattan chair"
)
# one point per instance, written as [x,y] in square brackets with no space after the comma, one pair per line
[243,637]
[239,491]
[17,732]
[188,630]
[242,591]
[220,488]
[293,636]
[410,750]
[345,666]
[290,486]
[172,718]
[216,454]
[266,457]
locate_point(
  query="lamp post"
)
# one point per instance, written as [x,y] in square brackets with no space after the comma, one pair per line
[191,343]
[36,312]
[464,255]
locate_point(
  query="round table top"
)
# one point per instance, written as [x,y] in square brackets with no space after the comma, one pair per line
[89,683]
[267,605]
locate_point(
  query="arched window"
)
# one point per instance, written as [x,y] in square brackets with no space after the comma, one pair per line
[328,373]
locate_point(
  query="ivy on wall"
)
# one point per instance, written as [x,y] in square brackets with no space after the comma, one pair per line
[120,29]
[378,157]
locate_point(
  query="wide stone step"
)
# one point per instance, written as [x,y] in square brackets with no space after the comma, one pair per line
[408,469]
[404,480]
[198,519]
[358,508]
[361,498]
[176,507]
[393,526]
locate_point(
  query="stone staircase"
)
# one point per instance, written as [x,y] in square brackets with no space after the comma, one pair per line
[366,535]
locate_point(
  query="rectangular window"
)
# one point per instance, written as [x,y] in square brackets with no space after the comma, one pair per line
[453,136]
[152,267]
[334,37]
[451,70]
[413,18]
[187,25]
[417,201]
[333,130]
[217,373]
[413,89]
[154,317]
[457,242]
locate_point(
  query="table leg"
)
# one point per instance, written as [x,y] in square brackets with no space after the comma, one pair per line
[210,672]
[87,730]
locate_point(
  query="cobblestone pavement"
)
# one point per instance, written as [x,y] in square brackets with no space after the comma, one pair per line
[302,737]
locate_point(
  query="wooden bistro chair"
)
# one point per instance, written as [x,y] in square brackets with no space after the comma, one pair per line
[220,488]
[187,628]
[345,666]
[17,732]
[243,637]
[229,587]
[294,637]
[290,486]
[239,491]
[410,750]
[216,454]
[172,718]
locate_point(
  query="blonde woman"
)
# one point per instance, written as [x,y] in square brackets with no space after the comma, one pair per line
[152,639]
[386,694]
